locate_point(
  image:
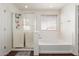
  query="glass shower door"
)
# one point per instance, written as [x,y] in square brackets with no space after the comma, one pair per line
[29,27]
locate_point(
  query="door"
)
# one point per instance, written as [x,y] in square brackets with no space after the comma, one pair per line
[1,31]
[29,26]
[7,29]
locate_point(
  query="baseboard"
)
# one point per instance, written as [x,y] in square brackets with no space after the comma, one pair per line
[56,52]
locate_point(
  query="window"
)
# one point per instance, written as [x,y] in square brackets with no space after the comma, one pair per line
[48,22]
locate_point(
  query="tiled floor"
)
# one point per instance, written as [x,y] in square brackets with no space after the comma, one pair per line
[31,53]
[20,53]
[23,53]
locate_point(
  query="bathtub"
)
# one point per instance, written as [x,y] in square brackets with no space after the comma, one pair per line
[53,44]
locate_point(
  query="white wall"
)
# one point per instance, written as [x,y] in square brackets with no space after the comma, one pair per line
[68,25]
[6,11]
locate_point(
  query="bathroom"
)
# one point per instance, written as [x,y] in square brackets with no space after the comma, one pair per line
[43,28]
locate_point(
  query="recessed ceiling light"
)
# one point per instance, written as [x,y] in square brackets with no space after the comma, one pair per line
[26,6]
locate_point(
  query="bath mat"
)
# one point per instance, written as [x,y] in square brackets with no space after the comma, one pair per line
[23,53]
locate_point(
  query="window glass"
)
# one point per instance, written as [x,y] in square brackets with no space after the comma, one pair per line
[48,22]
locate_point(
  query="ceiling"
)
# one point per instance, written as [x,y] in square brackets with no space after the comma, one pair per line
[39,6]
